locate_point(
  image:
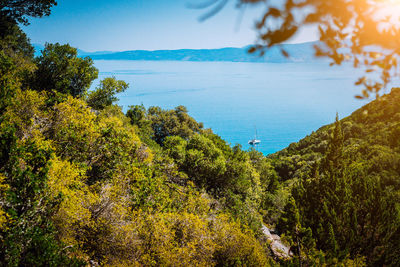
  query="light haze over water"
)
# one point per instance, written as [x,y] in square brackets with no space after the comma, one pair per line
[284,101]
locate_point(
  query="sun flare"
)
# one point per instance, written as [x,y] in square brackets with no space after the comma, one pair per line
[392,7]
[389,9]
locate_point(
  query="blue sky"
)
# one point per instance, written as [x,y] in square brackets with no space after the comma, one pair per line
[117,25]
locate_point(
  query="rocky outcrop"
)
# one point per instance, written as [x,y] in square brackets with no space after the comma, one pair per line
[278,249]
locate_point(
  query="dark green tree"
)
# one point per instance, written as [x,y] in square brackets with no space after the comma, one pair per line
[299,236]
[137,114]
[20,10]
[8,83]
[334,154]
[14,42]
[139,117]
[348,200]
[60,69]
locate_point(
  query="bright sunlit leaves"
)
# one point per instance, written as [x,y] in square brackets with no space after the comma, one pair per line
[390,10]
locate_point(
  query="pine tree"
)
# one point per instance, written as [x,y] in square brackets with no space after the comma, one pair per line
[332,244]
[334,154]
[321,200]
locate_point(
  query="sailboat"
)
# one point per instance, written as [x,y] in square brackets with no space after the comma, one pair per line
[254,141]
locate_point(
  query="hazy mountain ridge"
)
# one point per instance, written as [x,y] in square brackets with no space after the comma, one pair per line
[303,52]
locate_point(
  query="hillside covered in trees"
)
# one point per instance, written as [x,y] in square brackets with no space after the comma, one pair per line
[84,184]
[345,185]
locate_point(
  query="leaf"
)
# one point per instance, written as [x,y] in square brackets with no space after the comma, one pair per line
[356,62]
[311,18]
[274,12]
[252,50]
[285,53]
[375,55]
[360,81]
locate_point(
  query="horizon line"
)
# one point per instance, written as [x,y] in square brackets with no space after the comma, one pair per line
[177,49]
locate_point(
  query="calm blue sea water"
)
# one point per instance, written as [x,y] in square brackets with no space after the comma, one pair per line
[284,101]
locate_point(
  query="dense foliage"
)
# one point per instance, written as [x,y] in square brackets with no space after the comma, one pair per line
[20,10]
[60,69]
[82,183]
[78,186]
[347,184]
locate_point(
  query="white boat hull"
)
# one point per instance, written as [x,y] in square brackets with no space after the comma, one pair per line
[254,142]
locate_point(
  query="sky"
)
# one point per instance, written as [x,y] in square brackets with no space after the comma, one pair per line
[120,25]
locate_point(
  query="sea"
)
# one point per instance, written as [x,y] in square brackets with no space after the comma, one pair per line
[281,103]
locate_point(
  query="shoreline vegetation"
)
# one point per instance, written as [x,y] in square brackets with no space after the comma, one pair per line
[84,184]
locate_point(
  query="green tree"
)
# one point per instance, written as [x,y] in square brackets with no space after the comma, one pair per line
[20,10]
[172,122]
[200,159]
[138,116]
[29,238]
[8,82]
[268,175]
[104,94]
[348,200]
[290,224]
[13,42]
[16,54]
[334,154]
[60,69]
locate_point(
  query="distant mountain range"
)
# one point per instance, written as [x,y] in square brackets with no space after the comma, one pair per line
[303,52]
